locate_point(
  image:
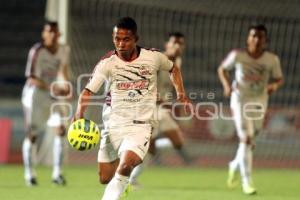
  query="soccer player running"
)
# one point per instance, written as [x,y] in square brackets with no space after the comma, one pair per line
[167,126]
[47,63]
[257,75]
[132,73]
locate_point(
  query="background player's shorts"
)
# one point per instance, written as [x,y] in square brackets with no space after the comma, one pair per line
[165,122]
[134,138]
[37,109]
[248,114]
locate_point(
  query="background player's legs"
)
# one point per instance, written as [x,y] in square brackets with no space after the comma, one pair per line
[171,136]
[58,128]
[58,150]
[176,138]
[29,154]
[29,148]
[243,158]
[120,181]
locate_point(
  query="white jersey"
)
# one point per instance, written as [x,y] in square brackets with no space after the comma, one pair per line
[106,109]
[44,65]
[252,75]
[133,85]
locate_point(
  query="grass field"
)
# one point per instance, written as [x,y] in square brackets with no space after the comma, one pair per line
[158,184]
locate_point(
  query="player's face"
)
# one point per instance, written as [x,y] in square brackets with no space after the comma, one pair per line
[124,41]
[257,41]
[50,35]
[175,46]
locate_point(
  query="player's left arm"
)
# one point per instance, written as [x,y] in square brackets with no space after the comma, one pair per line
[274,85]
[176,78]
[64,86]
[276,77]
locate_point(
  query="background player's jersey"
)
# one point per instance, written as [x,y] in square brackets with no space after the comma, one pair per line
[252,75]
[133,85]
[45,65]
[164,84]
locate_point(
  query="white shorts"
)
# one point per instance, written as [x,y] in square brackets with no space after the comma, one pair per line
[134,138]
[248,114]
[165,122]
[37,109]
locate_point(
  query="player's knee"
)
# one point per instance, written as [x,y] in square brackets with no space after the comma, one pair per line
[125,169]
[62,131]
[247,140]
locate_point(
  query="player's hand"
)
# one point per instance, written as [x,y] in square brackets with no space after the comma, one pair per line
[188,106]
[227,91]
[272,87]
[61,91]
[76,117]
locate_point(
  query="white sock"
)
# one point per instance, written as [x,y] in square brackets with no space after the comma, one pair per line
[57,156]
[243,162]
[233,165]
[136,172]
[249,157]
[163,143]
[28,151]
[115,187]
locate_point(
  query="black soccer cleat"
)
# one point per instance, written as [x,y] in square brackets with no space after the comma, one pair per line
[31,182]
[60,180]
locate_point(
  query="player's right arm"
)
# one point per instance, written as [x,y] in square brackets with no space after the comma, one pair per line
[100,75]
[223,72]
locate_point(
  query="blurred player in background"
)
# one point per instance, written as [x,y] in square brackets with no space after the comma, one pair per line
[132,74]
[47,63]
[257,74]
[167,126]
[166,133]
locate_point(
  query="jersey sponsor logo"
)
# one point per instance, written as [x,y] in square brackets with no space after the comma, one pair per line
[132,100]
[144,71]
[133,85]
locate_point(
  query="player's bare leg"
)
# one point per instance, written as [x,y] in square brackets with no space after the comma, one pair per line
[119,182]
[176,141]
[58,145]
[107,171]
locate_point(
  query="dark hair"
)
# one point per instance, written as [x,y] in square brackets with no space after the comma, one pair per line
[259,27]
[51,23]
[127,23]
[176,34]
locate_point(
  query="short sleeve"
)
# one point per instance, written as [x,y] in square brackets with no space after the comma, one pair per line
[164,62]
[276,72]
[99,76]
[229,62]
